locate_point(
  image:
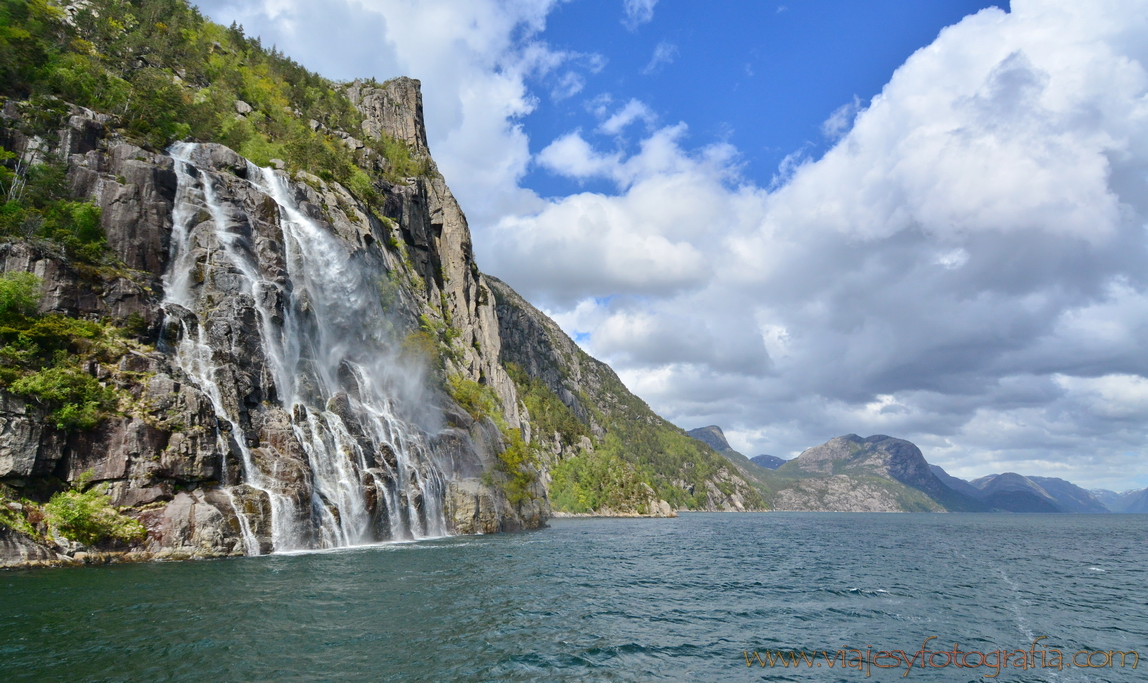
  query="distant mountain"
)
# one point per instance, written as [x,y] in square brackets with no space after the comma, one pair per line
[878,473]
[769,462]
[885,474]
[1135,501]
[955,483]
[1069,496]
[1111,499]
[1012,492]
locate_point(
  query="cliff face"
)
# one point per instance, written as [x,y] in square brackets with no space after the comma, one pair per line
[281,388]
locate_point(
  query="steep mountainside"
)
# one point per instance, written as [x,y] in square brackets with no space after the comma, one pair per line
[1136,502]
[1070,497]
[239,312]
[955,483]
[714,437]
[631,443]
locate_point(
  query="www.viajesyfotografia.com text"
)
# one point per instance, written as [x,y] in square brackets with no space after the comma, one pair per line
[1035,657]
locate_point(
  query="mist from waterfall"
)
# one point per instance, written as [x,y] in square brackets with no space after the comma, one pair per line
[333,363]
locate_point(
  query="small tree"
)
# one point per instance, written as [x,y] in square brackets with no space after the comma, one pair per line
[19,294]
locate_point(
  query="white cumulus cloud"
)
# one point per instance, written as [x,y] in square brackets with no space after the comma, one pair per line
[966,267]
[637,12]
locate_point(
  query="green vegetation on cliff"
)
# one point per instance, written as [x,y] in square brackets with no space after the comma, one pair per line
[164,72]
[41,356]
[36,204]
[548,414]
[88,517]
[598,480]
[635,449]
[83,514]
[518,461]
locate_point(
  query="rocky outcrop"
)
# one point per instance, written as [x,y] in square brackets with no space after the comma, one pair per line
[842,493]
[750,470]
[394,109]
[17,550]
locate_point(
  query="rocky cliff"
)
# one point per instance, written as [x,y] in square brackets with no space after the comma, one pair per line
[281,386]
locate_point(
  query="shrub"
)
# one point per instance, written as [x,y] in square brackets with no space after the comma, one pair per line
[401,163]
[37,206]
[13,517]
[477,399]
[79,400]
[517,462]
[19,294]
[547,412]
[88,517]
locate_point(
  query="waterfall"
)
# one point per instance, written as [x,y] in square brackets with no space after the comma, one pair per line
[331,365]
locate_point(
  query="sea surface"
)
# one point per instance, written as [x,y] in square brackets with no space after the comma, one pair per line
[606,600]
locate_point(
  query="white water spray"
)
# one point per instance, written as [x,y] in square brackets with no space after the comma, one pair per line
[323,334]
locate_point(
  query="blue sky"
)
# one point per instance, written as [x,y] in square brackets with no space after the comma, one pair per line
[762,76]
[921,219]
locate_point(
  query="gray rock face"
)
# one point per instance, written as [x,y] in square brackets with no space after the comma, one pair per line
[16,550]
[880,456]
[395,109]
[839,493]
[712,436]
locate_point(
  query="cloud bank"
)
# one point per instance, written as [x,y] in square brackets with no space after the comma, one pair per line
[965,267]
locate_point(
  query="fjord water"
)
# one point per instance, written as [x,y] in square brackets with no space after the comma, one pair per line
[598,600]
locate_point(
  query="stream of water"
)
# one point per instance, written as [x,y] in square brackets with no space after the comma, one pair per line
[331,357]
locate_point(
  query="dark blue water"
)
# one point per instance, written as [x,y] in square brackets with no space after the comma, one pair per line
[601,600]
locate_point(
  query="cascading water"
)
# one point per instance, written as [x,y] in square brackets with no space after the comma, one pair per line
[330,356]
